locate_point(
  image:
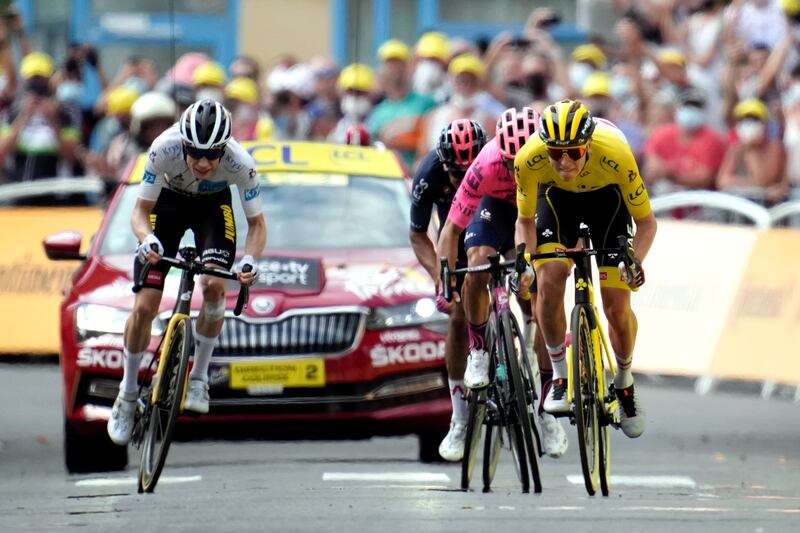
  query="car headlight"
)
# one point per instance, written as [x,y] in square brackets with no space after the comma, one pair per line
[93,320]
[421,312]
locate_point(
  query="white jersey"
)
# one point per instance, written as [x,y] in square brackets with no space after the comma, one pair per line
[166,167]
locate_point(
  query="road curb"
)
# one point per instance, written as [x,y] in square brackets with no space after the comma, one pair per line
[765,389]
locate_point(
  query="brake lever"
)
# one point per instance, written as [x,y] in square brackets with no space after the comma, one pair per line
[244,294]
[445,270]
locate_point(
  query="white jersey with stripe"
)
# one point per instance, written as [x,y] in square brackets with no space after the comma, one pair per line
[166,168]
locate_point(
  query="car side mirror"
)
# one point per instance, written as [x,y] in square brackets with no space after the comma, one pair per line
[64,245]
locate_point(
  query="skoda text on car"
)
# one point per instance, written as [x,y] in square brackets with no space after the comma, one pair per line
[341,336]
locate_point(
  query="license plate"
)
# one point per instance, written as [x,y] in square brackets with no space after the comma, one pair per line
[286,373]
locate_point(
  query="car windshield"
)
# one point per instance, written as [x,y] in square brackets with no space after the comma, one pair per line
[303,211]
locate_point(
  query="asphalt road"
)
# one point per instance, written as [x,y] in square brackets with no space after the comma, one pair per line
[720,462]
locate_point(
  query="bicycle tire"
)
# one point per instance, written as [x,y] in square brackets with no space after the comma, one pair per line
[584,398]
[477,414]
[604,431]
[168,399]
[492,443]
[524,394]
[517,421]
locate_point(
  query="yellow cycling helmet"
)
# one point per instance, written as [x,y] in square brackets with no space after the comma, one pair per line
[357,77]
[120,100]
[566,123]
[242,89]
[209,73]
[36,64]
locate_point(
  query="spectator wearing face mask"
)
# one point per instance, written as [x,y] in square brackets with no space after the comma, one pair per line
[117,105]
[791,135]
[209,81]
[586,59]
[292,89]
[242,100]
[36,134]
[597,97]
[754,164]
[466,101]
[685,154]
[356,83]
[431,54]
[397,120]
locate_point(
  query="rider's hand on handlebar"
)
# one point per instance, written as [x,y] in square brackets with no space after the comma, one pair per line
[632,275]
[150,249]
[247,276]
[442,305]
[521,283]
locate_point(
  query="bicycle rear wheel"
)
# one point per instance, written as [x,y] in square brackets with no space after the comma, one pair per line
[524,396]
[477,414]
[492,443]
[170,389]
[584,397]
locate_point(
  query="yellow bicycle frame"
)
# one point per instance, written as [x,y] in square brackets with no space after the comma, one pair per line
[173,323]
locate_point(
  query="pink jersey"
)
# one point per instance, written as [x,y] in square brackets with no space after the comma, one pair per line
[487,176]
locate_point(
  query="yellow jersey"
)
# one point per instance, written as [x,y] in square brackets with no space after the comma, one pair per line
[611,162]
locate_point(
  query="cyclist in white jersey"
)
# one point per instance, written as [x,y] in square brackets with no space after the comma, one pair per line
[186,185]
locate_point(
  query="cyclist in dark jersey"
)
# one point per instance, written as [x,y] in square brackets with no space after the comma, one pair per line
[438,176]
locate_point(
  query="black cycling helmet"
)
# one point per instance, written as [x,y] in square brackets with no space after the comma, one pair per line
[566,123]
[459,144]
[205,125]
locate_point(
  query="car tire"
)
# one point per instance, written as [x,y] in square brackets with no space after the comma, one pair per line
[93,452]
[429,446]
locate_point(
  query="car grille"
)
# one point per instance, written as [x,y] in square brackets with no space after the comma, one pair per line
[298,334]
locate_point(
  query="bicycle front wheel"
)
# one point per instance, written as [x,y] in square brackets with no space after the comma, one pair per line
[524,395]
[584,397]
[170,389]
[477,414]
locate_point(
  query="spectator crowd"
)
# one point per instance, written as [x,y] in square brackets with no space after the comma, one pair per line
[706,91]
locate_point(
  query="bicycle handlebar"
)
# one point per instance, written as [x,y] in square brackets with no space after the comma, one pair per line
[522,258]
[195,267]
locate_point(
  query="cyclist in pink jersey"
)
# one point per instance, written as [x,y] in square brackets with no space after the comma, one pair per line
[485,206]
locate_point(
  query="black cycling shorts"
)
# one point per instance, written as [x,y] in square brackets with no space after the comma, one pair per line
[209,216]
[559,214]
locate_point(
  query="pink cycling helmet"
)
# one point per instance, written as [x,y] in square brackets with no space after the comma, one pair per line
[514,128]
[459,144]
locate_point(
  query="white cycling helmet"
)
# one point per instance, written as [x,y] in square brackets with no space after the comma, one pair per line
[149,106]
[205,125]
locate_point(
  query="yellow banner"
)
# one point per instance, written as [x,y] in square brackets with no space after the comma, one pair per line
[761,338]
[31,285]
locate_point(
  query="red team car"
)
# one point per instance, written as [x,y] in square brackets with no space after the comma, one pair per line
[341,337]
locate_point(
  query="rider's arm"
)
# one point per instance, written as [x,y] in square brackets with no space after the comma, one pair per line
[420,217]
[140,219]
[448,242]
[644,236]
[256,238]
[525,232]
[425,252]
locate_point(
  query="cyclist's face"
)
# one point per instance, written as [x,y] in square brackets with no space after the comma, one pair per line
[202,168]
[568,168]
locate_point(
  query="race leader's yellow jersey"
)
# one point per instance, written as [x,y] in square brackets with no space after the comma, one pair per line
[611,162]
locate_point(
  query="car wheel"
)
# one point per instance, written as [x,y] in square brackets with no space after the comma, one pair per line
[92,452]
[429,446]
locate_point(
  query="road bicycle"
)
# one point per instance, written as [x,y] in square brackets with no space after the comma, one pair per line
[590,365]
[161,395]
[506,408]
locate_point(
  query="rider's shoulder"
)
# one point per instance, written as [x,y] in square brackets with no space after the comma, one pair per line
[167,146]
[237,159]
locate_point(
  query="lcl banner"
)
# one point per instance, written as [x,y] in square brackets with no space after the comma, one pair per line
[31,286]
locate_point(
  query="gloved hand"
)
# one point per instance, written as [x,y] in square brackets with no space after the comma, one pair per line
[632,275]
[521,283]
[442,305]
[247,275]
[150,249]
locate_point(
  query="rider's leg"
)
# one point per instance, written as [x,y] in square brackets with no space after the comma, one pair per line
[551,278]
[622,328]
[456,360]
[137,338]
[476,297]
[208,324]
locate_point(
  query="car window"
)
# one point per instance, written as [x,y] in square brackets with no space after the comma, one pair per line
[303,211]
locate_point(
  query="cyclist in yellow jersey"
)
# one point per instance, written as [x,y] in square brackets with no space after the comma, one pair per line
[581,169]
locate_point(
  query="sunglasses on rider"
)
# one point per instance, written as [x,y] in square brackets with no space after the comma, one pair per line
[211,154]
[575,153]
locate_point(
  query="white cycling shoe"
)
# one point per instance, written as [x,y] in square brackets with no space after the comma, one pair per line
[452,447]
[120,423]
[196,397]
[554,438]
[556,400]
[477,372]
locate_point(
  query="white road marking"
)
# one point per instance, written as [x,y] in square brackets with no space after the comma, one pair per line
[677,509]
[562,508]
[644,481]
[109,482]
[397,477]
[787,511]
